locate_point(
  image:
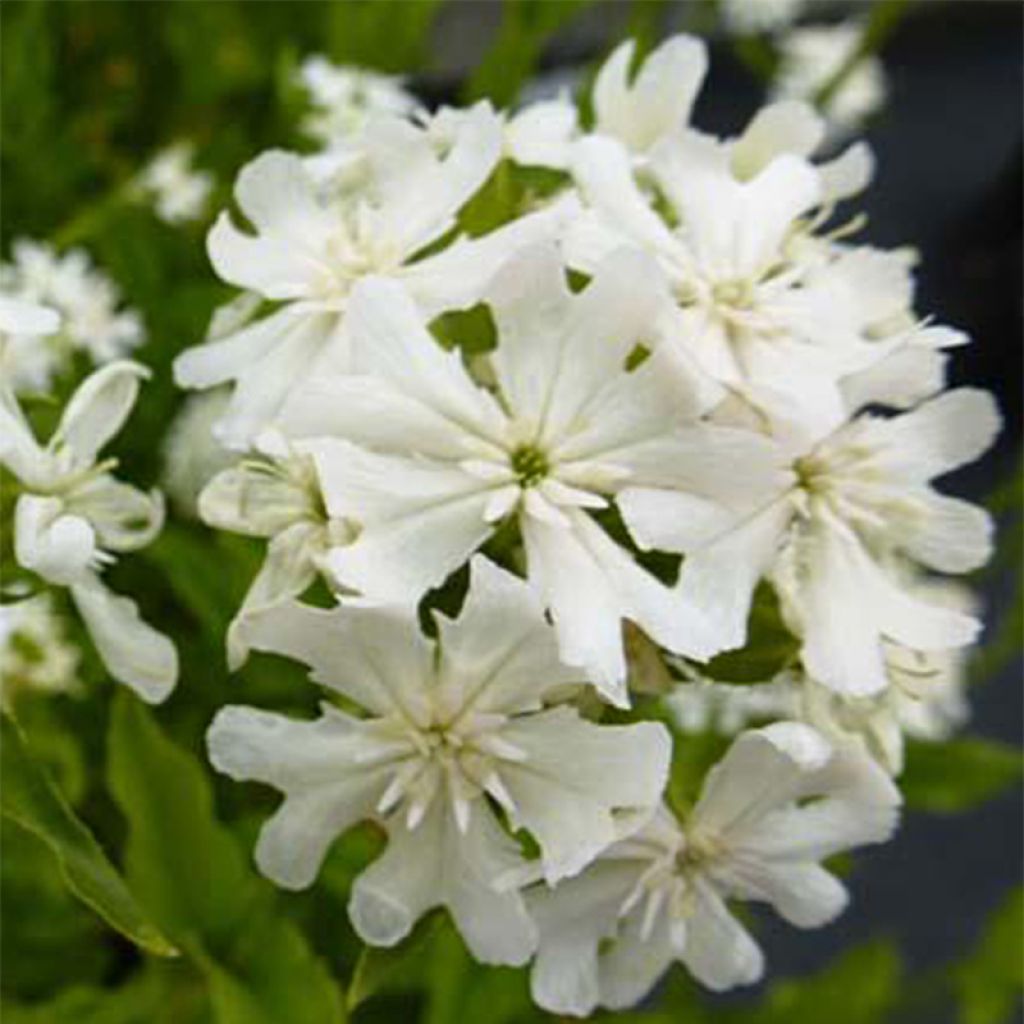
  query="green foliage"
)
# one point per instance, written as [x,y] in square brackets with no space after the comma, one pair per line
[955,776]
[990,982]
[190,873]
[526,26]
[861,987]
[770,647]
[29,797]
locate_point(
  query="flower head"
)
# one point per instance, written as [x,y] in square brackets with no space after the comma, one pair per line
[455,739]
[781,801]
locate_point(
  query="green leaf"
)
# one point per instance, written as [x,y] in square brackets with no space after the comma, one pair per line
[990,982]
[29,797]
[958,775]
[860,987]
[188,869]
[377,968]
[770,647]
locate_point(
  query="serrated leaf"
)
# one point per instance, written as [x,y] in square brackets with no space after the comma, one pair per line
[958,775]
[29,797]
[188,869]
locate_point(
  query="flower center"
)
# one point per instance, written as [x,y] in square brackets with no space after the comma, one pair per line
[530,464]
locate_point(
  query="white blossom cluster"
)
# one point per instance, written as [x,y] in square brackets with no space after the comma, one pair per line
[177,189]
[688,355]
[92,318]
[72,516]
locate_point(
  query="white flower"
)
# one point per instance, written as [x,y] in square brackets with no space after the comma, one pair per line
[772,313]
[429,463]
[308,254]
[809,57]
[275,495]
[35,653]
[178,190]
[73,514]
[749,17]
[862,499]
[87,300]
[345,98]
[27,359]
[780,802]
[450,726]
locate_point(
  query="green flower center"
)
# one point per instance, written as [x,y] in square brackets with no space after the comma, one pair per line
[530,465]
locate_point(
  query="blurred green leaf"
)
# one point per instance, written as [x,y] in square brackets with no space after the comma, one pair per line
[187,868]
[377,968]
[29,797]
[955,776]
[770,647]
[861,987]
[990,982]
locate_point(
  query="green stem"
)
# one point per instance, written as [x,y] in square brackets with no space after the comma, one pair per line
[885,18]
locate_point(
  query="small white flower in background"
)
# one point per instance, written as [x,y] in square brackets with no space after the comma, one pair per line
[809,57]
[451,725]
[92,319]
[309,253]
[831,544]
[274,494]
[780,802]
[703,705]
[346,97]
[750,17]
[27,357]
[179,192]
[35,653]
[429,463]
[72,516]
[192,454]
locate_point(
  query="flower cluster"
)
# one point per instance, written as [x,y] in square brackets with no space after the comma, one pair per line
[178,191]
[92,319]
[653,376]
[72,516]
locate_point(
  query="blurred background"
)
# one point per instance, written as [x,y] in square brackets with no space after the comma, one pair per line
[91,91]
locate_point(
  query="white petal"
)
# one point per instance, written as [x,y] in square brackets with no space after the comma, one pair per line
[98,409]
[286,573]
[787,126]
[19,450]
[327,787]
[420,194]
[572,920]
[603,172]
[286,259]
[639,956]
[123,517]
[804,894]
[939,436]
[953,536]
[58,546]
[133,652]
[500,646]
[719,952]
[541,134]
[375,656]
[848,174]
[763,770]
[419,520]
[437,865]
[459,276]
[390,340]
[659,101]
[575,775]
